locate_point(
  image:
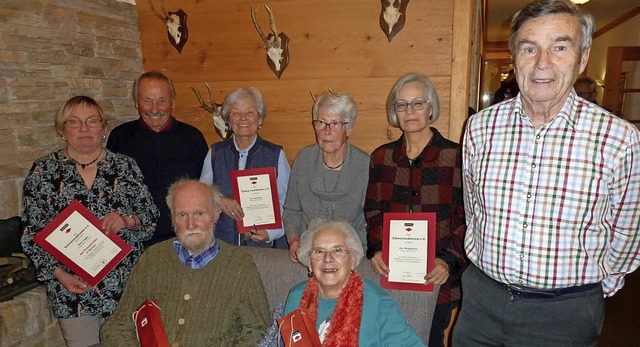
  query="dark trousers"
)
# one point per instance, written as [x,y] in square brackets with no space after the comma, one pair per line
[491,316]
[440,322]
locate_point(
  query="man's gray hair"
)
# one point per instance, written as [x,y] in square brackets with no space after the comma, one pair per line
[338,104]
[353,244]
[541,8]
[240,94]
[213,191]
[432,97]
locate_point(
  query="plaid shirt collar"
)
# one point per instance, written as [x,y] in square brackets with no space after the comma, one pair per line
[569,111]
[196,261]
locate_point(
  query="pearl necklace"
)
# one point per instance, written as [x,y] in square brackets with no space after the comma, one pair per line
[83,165]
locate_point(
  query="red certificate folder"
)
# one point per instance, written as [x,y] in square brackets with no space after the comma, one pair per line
[73,234]
[252,199]
[410,220]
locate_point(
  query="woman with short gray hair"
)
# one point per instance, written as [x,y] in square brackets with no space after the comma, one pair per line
[352,240]
[346,310]
[328,179]
[244,112]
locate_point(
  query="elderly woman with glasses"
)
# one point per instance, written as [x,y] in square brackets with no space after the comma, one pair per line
[419,172]
[327,177]
[108,184]
[347,310]
[244,112]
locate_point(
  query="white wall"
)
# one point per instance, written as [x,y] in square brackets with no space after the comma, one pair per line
[626,34]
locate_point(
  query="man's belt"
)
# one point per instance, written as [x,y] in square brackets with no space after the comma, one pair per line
[533,293]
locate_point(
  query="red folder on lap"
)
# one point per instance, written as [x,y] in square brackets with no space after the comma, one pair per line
[149,327]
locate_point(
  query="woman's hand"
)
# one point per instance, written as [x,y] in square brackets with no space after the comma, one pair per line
[70,282]
[439,274]
[379,266]
[114,222]
[257,235]
[294,245]
[231,208]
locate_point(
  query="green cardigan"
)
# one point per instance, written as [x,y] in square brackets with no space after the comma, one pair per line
[221,304]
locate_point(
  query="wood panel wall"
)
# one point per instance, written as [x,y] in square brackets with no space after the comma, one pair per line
[334,44]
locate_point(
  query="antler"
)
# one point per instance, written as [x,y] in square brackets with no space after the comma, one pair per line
[272,22]
[255,24]
[214,109]
[163,19]
[313,97]
[275,41]
[208,105]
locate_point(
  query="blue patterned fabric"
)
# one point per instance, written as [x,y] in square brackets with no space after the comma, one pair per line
[195,261]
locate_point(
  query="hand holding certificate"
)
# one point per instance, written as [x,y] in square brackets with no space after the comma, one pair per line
[256,191]
[75,238]
[408,249]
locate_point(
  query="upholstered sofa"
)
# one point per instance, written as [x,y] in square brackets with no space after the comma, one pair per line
[279,274]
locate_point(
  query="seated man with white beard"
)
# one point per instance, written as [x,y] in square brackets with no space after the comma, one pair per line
[209,292]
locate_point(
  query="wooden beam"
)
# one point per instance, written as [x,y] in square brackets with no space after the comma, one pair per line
[614,23]
[612,85]
[464,12]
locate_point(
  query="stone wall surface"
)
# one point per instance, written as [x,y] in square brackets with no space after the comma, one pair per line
[51,51]
[27,321]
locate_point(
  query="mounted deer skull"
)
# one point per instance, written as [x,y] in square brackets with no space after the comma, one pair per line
[392,16]
[277,45]
[176,23]
[215,111]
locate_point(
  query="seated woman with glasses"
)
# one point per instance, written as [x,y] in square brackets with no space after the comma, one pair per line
[328,179]
[244,112]
[347,310]
[419,172]
[108,184]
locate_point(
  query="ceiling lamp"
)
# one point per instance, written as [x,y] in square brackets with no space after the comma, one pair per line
[580,2]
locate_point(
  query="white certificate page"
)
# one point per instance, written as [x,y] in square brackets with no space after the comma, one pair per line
[83,243]
[256,200]
[408,251]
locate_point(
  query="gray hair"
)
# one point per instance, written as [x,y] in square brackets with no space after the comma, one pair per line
[541,8]
[240,94]
[431,96]
[153,75]
[353,244]
[213,191]
[339,104]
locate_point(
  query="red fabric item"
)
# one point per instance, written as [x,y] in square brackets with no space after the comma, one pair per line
[344,330]
[298,329]
[149,327]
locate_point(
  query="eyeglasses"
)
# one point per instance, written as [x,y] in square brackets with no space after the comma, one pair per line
[333,126]
[416,105]
[76,123]
[336,253]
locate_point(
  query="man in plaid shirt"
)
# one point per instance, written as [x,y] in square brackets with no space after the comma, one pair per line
[552,196]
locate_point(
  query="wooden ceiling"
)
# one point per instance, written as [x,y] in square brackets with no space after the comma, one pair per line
[607,14]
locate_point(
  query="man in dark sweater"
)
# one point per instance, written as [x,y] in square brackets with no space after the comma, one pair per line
[164,148]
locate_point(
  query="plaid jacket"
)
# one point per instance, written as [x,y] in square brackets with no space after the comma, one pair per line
[437,187]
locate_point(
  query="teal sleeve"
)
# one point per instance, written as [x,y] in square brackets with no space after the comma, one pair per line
[393,327]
